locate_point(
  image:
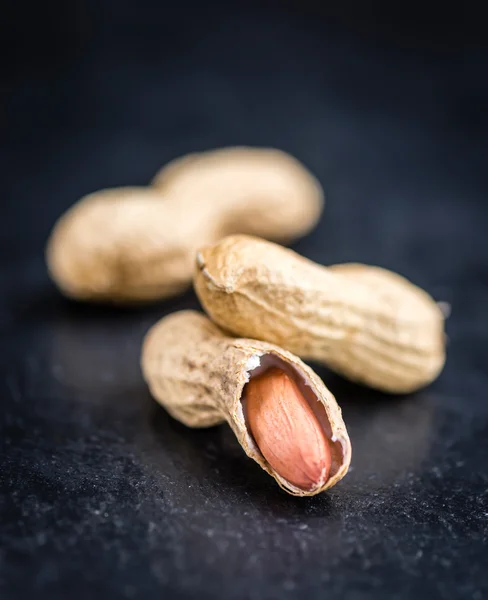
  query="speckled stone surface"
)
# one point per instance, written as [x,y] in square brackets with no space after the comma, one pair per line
[102,494]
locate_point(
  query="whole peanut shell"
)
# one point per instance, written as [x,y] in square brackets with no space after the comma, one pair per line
[368,324]
[199,375]
[138,244]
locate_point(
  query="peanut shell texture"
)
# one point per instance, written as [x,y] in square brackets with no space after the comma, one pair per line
[202,376]
[367,323]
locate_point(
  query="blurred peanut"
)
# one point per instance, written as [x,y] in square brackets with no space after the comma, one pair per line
[138,244]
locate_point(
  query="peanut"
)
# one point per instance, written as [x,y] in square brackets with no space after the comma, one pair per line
[367,323]
[286,431]
[280,411]
[138,244]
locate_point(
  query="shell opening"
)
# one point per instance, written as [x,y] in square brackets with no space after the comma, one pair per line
[258,365]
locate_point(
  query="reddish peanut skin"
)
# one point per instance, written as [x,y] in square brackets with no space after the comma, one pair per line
[286,430]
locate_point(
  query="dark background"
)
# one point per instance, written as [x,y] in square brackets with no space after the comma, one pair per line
[105,496]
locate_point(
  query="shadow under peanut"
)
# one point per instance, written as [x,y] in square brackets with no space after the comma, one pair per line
[96,348]
[391,435]
[219,472]
[391,438]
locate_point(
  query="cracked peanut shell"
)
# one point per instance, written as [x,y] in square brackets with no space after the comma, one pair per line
[199,375]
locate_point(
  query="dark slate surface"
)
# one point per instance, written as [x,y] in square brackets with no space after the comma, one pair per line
[105,496]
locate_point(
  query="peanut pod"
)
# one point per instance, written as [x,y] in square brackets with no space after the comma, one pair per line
[367,323]
[199,375]
[138,244]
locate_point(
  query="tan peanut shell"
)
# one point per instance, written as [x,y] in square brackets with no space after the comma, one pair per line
[199,375]
[367,323]
[138,244]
